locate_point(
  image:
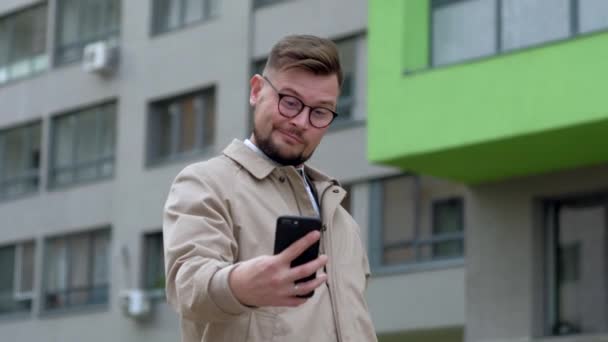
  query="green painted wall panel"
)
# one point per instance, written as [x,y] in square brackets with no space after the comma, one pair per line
[559,149]
[434,120]
[415,40]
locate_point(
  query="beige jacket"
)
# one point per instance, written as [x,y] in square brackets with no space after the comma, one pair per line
[223,211]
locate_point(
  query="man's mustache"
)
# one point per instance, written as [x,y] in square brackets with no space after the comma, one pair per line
[297,132]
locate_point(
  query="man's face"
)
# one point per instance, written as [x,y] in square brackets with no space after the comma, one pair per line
[290,141]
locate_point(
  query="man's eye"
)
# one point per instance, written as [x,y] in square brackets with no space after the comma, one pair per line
[321,112]
[290,102]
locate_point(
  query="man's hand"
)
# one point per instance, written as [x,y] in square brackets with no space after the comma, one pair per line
[270,280]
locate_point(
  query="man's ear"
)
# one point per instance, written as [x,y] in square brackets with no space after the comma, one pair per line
[256,83]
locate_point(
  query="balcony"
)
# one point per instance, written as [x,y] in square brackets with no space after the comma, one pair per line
[530,111]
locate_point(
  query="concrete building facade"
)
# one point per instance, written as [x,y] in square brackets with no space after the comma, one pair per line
[505,97]
[86,159]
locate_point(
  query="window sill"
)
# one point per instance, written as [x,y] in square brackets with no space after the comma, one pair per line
[79,183]
[503,53]
[269,5]
[380,271]
[17,80]
[200,154]
[11,317]
[573,338]
[24,195]
[339,125]
[161,33]
[75,310]
[156,294]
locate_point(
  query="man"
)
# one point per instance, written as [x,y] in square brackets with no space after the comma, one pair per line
[220,217]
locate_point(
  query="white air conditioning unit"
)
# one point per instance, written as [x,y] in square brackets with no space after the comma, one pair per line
[100,57]
[136,303]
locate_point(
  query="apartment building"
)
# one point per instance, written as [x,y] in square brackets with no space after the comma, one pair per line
[103,102]
[508,98]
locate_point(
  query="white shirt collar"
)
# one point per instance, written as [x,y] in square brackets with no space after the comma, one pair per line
[253,147]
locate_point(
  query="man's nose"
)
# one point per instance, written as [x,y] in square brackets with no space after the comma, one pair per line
[301,120]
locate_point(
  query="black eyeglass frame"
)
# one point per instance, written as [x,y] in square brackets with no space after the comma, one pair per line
[282,95]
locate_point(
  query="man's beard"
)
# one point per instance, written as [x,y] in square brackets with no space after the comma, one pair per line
[272,151]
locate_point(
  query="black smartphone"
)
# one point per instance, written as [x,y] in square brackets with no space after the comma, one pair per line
[289,230]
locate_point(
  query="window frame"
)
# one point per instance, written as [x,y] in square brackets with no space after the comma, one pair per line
[155,110]
[111,34]
[98,162]
[18,295]
[257,4]
[91,235]
[575,32]
[32,59]
[447,237]
[19,251]
[547,300]
[156,28]
[433,4]
[377,246]
[29,175]
[341,119]
[152,291]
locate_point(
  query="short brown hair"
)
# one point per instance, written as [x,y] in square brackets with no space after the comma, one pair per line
[311,53]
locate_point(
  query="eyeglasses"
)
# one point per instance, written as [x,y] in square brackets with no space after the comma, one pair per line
[291,106]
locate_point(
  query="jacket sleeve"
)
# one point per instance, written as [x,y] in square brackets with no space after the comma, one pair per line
[200,250]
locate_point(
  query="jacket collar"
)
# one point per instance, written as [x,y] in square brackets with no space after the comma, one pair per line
[261,167]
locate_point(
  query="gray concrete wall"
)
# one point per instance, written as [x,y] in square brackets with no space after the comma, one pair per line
[421,300]
[504,271]
[8,6]
[215,53]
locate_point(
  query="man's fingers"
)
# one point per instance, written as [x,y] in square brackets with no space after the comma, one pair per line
[311,285]
[298,247]
[307,269]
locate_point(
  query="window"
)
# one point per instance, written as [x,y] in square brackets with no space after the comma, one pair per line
[17,277]
[592,15]
[257,67]
[530,22]
[23,43]
[463,30]
[182,126]
[80,22]
[468,29]
[77,270]
[262,3]
[83,145]
[418,219]
[154,267]
[347,50]
[170,15]
[448,227]
[577,266]
[19,160]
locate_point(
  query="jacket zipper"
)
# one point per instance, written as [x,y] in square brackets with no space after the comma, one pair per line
[332,284]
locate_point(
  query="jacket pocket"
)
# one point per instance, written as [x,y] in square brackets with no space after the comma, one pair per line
[233,330]
[261,326]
